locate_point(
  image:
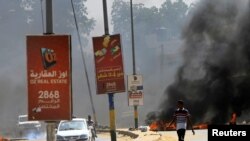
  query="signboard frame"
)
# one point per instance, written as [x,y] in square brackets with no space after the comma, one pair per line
[49,77]
[108,60]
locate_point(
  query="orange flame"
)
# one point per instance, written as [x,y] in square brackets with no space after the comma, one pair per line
[153,126]
[163,126]
[201,126]
[233,119]
[3,139]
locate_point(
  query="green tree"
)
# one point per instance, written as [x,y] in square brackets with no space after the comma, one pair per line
[165,23]
[63,21]
[145,20]
[172,18]
[144,24]
[121,19]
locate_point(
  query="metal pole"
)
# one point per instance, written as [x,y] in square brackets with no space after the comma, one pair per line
[93,110]
[136,117]
[133,58]
[161,65]
[112,117]
[50,125]
[49,17]
[132,37]
[84,64]
[50,129]
[105,15]
[110,95]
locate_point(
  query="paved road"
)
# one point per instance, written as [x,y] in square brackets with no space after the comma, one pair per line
[99,139]
[200,135]
[105,138]
[19,139]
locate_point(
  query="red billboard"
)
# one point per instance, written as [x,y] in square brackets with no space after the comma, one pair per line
[49,77]
[108,64]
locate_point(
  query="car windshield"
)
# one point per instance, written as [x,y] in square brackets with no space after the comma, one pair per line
[72,125]
[23,118]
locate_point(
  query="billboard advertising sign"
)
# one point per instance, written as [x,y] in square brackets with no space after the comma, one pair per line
[135,90]
[49,77]
[108,64]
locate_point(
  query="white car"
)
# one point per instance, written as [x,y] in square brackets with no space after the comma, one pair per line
[73,130]
[26,128]
[143,128]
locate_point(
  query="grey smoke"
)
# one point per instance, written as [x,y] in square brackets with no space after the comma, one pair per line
[215,76]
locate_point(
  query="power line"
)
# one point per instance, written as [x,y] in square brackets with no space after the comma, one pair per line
[84,63]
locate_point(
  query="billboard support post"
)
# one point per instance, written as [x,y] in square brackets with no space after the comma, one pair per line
[105,15]
[49,18]
[111,95]
[112,116]
[136,117]
[50,129]
[50,126]
[133,59]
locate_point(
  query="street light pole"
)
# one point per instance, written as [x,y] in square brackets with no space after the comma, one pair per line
[50,125]
[84,64]
[110,95]
[49,17]
[105,15]
[132,36]
[133,58]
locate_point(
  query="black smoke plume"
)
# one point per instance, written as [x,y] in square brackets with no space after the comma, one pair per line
[214,80]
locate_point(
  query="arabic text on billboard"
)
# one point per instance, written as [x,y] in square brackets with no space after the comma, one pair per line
[49,77]
[108,64]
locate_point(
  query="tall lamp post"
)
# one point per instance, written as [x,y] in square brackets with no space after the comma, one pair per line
[133,58]
[110,95]
[50,126]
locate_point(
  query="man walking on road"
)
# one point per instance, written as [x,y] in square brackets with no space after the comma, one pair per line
[91,123]
[180,117]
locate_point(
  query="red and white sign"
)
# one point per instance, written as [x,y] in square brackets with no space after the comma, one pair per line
[135,90]
[108,64]
[49,77]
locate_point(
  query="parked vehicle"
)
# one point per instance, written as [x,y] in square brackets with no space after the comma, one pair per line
[143,128]
[73,130]
[28,129]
